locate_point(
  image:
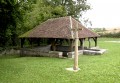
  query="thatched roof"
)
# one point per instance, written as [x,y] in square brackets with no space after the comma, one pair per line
[59,28]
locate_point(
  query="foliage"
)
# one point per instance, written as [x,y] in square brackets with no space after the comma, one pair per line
[11,13]
[98,29]
[19,16]
[110,35]
[72,7]
[103,33]
[93,69]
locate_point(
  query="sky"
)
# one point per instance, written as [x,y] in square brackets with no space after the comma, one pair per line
[104,13]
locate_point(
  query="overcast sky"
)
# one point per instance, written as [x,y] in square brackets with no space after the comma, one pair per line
[104,13]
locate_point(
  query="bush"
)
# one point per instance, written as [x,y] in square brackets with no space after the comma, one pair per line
[110,35]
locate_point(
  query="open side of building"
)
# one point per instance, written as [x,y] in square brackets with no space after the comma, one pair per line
[57,33]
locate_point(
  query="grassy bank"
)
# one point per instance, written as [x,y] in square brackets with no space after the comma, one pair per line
[94,69]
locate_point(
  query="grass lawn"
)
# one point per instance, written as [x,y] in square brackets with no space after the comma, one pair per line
[94,69]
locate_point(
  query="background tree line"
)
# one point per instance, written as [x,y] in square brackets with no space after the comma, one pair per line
[19,16]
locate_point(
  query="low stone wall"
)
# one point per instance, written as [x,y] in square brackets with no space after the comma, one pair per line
[71,54]
[94,51]
[45,51]
[30,52]
[10,52]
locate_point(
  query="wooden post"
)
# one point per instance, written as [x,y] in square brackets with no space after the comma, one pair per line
[75,36]
[80,42]
[95,40]
[76,47]
[89,42]
[76,50]
[31,42]
[22,42]
[53,44]
[83,43]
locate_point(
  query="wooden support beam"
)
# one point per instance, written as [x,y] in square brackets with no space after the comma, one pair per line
[53,44]
[22,42]
[81,42]
[31,42]
[89,42]
[95,40]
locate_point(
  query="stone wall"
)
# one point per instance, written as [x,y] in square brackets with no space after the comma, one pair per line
[29,52]
[71,54]
[10,52]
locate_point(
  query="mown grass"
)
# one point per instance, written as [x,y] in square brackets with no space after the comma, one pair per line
[94,69]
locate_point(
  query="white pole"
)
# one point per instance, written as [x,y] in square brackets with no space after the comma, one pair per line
[75,31]
[76,50]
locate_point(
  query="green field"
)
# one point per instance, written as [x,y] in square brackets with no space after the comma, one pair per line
[94,69]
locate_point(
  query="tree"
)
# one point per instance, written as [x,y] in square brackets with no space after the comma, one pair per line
[71,7]
[8,15]
[19,16]
[11,13]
